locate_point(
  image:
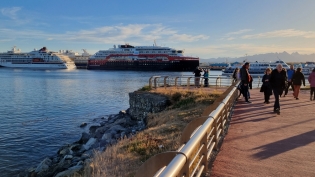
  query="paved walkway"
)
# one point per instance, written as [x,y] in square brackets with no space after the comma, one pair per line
[262,143]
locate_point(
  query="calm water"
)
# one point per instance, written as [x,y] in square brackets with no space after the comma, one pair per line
[40,110]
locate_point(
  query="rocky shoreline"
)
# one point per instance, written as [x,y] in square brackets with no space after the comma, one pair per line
[104,132]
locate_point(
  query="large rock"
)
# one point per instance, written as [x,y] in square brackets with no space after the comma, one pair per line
[88,145]
[70,171]
[84,138]
[44,165]
[142,103]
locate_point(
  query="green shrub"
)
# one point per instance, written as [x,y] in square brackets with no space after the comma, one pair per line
[145,88]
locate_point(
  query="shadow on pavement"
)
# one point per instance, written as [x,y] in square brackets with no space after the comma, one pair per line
[285,145]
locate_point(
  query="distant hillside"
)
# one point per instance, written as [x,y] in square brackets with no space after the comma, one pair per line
[285,56]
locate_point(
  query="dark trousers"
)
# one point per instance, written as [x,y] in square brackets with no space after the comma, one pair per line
[276,93]
[245,91]
[206,82]
[313,92]
[287,88]
[267,96]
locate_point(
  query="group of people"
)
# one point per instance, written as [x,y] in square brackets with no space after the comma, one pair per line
[276,82]
[197,73]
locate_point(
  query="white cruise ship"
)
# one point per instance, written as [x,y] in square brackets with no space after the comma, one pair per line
[37,59]
[256,68]
[80,60]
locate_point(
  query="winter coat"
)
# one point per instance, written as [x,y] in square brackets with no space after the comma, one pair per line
[298,78]
[244,75]
[311,79]
[197,72]
[277,80]
[266,84]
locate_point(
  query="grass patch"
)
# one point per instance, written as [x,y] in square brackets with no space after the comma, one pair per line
[145,88]
[162,134]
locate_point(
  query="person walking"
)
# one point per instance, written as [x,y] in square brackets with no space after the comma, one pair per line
[290,73]
[206,77]
[311,80]
[266,87]
[245,78]
[286,82]
[298,78]
[277,82]
[197,73]
[236,74]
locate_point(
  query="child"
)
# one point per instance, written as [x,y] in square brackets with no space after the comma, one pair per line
[206,77]
[311,80]
[266,87]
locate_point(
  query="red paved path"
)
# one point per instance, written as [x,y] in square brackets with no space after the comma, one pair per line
[261,143]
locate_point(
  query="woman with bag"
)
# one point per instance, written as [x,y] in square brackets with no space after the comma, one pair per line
[266,87]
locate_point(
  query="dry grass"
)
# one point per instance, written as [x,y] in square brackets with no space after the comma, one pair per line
[163,133]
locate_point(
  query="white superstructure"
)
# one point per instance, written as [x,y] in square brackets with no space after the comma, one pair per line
[257,68]
[79,59]
[39,59]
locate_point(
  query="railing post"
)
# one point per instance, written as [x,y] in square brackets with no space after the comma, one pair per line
[165,81]
[155,84]
[176,81]
[150,82]
[188,82]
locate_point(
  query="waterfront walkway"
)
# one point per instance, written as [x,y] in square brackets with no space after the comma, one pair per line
[262,143]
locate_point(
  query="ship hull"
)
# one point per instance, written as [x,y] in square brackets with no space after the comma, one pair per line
[178,65]
[38,65]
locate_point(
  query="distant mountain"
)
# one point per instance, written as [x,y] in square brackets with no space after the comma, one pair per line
[285,56]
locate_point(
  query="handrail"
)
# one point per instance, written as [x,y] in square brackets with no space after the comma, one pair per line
[192,157]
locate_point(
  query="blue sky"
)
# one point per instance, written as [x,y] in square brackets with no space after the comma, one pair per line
[203,28]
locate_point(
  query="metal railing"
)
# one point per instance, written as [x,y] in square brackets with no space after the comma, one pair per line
[198,140]
[187,81]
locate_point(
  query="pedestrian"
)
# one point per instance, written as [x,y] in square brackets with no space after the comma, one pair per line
[250,85]
[290,73]
[245,78]
[266,87]
[197,73]
[206,77]
[285,84]
[298,78]
[236,74]
[277,82]
[311,80]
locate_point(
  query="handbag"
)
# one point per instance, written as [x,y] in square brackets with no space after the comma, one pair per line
[262,88]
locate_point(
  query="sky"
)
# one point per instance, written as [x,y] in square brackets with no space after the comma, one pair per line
[202,28]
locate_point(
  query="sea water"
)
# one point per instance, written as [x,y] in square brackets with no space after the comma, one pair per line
[41,110]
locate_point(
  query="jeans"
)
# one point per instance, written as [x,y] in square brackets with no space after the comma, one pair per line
[276,93]
[287,88]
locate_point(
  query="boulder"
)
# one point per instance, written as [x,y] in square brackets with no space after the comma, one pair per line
[83,124]
[70,171]
[44,165]
[88,145]
[84,138]
[107,136]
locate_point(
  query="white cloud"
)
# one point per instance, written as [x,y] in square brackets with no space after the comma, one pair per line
[233,35]
[10,12]
[132,33]
[187,38]
[238,32]
[282,34]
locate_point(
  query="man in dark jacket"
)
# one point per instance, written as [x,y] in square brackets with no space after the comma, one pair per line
[245,78]
[277,82]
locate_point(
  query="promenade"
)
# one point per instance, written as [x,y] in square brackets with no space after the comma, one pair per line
[262,143]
